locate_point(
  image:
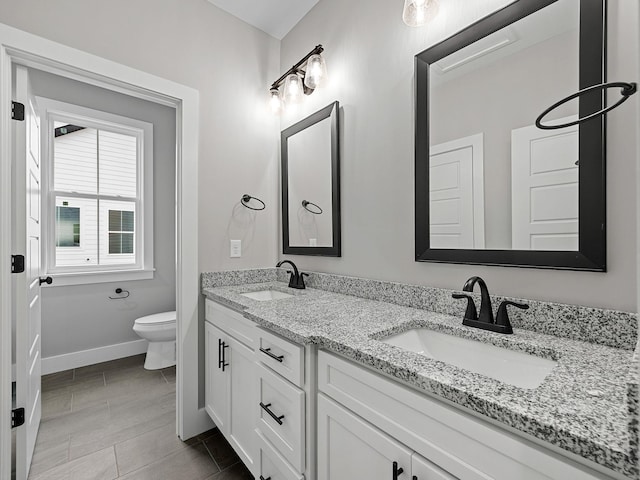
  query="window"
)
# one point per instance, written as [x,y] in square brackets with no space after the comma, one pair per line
[121,231]
[67,226]
[98,195]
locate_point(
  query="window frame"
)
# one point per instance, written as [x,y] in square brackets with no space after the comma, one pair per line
[51,111]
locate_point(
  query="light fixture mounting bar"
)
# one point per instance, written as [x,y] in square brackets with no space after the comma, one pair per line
[316,51]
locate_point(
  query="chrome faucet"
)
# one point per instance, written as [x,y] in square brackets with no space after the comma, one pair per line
[297,278]
[486,320]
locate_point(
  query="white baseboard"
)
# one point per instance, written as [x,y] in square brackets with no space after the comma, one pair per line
[60,363]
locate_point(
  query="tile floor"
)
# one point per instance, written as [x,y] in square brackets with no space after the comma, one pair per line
[117,420]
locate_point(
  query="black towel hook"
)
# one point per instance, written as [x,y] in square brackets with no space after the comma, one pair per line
[246,198]
[627,89]
[306,203]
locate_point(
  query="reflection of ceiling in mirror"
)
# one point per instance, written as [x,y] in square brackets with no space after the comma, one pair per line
[556,19]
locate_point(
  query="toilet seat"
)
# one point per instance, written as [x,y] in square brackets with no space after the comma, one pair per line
[158,319]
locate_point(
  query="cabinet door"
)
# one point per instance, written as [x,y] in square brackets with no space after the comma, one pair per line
[217,381]
[350,448]
[242,400]
[423,469]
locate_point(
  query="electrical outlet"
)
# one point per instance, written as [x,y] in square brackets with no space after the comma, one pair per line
[236,248]
[313,242]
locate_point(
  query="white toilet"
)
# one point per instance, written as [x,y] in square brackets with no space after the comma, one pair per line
[160,330]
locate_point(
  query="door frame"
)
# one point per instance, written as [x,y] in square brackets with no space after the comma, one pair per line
[17,46]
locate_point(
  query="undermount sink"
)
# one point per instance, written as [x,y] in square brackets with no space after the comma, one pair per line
[515,368]
[265,295]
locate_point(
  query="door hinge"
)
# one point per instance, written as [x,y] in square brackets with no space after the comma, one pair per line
[17,417]
[17,111]
[17,263]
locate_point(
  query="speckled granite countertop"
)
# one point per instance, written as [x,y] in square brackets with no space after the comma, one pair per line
[582,406]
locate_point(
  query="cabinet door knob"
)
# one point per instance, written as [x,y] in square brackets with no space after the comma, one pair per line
[47,280]
[397,471]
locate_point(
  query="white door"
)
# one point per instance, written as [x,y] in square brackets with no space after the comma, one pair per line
[242,401]
[456,193]
[217,380]
[26,286]
[350,448]
[544,188]
[423,469]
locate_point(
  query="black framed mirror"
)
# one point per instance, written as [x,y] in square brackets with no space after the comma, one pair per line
[490,187]
[310,159]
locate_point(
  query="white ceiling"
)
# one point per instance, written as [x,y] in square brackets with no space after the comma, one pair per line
[276,17]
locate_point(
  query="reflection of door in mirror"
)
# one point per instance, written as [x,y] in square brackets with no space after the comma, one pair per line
[309,169]
[456,192]
[493,87]
[544,182]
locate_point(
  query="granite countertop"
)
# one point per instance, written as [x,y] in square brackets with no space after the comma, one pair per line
[583,406]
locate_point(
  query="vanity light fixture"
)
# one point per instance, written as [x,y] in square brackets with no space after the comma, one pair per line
[418,12]
[303,78]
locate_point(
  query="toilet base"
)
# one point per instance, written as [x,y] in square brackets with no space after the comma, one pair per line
[160,355]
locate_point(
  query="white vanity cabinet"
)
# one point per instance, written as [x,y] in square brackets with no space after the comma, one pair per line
[351,448]
[286,401]
[230,379]
[371,421]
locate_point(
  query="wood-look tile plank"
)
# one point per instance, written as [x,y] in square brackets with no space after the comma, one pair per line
[147,448]
[221,451]
[49,454]
[235,472]
[193,463]
[100,465]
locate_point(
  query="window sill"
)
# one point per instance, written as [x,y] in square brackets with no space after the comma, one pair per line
[86,278]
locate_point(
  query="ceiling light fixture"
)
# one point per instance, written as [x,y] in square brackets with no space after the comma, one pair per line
[303,78]
[418,12]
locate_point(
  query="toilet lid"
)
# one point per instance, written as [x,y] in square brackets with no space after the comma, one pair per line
[157,319]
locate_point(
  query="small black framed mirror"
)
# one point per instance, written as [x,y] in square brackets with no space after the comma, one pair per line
[310,167]
[490,187]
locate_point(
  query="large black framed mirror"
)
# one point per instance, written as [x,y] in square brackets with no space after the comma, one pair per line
[310,167]
[490,187]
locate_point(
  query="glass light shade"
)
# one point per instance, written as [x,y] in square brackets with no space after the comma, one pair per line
[316,73]
[419,12]
[293,89]
[275,102]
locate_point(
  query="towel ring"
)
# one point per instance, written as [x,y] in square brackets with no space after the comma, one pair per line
[306,203]
[246,198]
[627,89]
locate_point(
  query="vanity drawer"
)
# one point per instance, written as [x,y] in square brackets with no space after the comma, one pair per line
[281,415]
[232,323]
[282,356]
[273,465]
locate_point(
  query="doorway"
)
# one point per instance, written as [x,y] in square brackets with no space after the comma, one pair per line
[21,48]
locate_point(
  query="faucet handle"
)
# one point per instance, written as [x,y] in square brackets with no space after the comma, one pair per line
[471,313]
[502,318]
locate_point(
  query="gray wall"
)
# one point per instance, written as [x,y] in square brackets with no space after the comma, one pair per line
[370,60]
[230,63]
[81,317]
